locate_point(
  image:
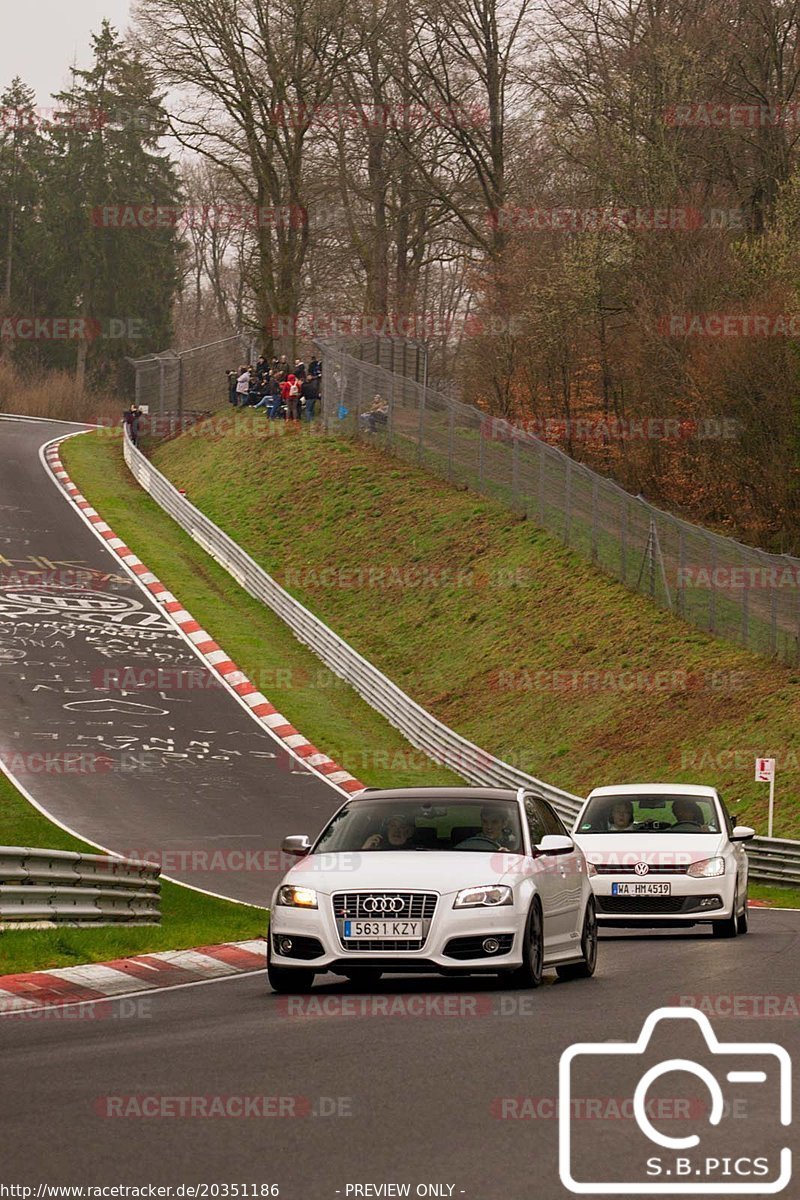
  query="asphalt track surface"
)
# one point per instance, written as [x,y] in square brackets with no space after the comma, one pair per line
[183,774]
[419,1082]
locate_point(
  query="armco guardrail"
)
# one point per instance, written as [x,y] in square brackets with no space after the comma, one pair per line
[421,728]
[60,887]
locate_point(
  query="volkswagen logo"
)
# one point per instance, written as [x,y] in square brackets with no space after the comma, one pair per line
[641,869]
[382,904]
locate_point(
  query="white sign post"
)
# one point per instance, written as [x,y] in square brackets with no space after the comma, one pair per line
[765,773]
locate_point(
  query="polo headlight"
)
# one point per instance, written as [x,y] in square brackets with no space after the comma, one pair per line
[297,897]
[591,869]
[491,896]
[707,868]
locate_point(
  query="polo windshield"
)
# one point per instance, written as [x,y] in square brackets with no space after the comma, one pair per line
[650,814]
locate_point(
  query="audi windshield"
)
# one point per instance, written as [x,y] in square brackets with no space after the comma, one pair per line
[650,814]
[410,825]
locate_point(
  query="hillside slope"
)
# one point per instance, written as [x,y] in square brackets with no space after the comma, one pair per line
[491,624]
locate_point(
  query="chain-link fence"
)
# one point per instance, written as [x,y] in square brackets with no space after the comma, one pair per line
[190,381]
[734,591]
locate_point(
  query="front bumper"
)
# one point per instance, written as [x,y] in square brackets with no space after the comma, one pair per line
[452,944]
[690,901]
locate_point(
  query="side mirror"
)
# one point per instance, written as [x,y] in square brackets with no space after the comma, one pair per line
[555,843]
[298,845]
[742,833]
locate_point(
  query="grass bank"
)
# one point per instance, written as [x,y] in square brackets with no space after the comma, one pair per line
[188,918]
[490,623]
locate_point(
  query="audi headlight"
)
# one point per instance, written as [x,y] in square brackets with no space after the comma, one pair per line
[297,897]
[707,868]
[491,896]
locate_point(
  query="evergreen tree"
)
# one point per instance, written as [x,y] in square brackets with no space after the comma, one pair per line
[104,158]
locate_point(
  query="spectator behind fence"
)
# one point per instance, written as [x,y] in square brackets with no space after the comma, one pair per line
[232,377]
[132,418]
[315,368]
[376,416]
[310,393]
[242,385]
[290,390]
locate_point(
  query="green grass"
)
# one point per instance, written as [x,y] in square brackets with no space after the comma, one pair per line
[482,608]
[316,701]
[776,897]
[188,918]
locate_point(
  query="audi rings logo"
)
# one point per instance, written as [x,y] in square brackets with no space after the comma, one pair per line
[383,904]
[642,869]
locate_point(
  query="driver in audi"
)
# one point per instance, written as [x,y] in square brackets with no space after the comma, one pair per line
[493,827]
[398,834]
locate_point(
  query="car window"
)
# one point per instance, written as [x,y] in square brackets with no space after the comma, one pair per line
[726,816]
[535,822]
[550,818]
[642,813]
[414,824]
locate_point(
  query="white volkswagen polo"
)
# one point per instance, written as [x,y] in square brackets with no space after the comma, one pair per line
[665,854]
[445,880]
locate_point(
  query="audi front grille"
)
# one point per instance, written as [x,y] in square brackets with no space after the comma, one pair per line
[379,906]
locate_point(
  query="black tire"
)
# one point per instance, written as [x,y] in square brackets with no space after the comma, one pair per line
[586,968]
[529,974]
[743,921]
[729,927]
[290,980]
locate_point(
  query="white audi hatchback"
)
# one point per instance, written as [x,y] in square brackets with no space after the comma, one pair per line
[665,854]
[445,880]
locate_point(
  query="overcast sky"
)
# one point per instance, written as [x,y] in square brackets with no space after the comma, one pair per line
[41,39]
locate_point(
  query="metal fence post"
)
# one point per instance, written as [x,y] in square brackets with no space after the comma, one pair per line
[180,389]
[595,504]
[421,434]
[481,456]
[681,571]
[515,472]
[542,453]
[623,539]
[712,598]
[451,434]
[746,613]
[568,501]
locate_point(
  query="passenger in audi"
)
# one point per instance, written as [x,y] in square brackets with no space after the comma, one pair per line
[398,834]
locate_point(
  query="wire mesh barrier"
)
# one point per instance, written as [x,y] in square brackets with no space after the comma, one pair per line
[773,860]
[195,379]
[400,356]
[734,591]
